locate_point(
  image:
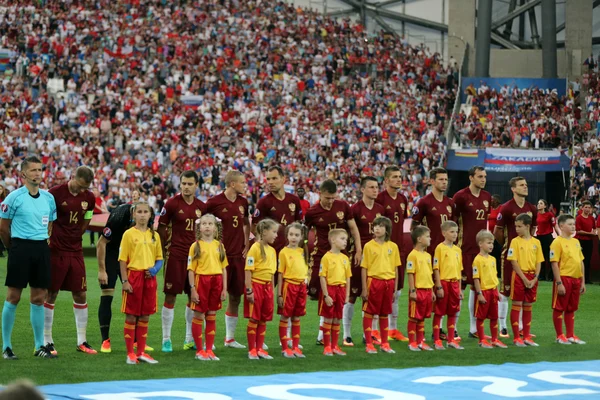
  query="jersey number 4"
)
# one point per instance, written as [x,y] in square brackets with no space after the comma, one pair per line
[73,217]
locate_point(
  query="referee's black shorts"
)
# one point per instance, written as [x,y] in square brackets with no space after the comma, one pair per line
[113,270]
[28,263]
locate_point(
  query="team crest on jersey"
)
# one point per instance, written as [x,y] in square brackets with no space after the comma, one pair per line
[486,204]
[4,207]
[168,285]
[340,215]
[198,213]
[292,207]
[241,209]
[377,215]
[106,232]
[507,288]
[389,252]
[530,213]
[403,206]
[163,211]
[449,208]
[354,290]
[415,210]
[409,266]
[84,205]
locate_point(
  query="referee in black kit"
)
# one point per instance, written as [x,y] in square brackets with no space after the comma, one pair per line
[109,269]
[27,215]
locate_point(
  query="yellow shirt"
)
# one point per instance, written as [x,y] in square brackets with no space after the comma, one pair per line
[419,264]
[139,250]
[527,253]
[381,260]
[209,262]
[484,269]
[335,268]
[263,268]
[292,265]
[567,253]
[448,260]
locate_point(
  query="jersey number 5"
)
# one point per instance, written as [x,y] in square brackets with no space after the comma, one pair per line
[396,217]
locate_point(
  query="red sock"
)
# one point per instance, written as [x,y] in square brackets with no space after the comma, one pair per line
[367,328]
[480,331]
[515,312]
[451,325]
[295,334]
[197,328]
[557,318]
[526,321]
[335,334]
[283,334]
[260,334]
[412,331]
[326,334]
[494,329]
[251,333]
[420,331]
[142,331]
[211,330]
[129,333]
[384,327]
[570,324]
[437,320]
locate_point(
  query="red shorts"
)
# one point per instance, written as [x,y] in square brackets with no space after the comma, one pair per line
[314,285]
[262,308]
[67,272]
[143,300]
[235,276]
[294,299]
[518,291]
[507,270]
[176,276]
[356,282]
[467,272]
[338,294]
[209,288]
[489,310]
[450,303]
[421,308]
[380,296]
[570,301]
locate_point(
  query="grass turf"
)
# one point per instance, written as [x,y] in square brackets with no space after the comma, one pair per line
[72,366]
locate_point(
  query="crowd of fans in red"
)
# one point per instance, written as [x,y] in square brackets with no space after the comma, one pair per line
[149,88]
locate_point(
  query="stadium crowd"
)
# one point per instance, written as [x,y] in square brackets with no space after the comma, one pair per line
[142,90]
[516,117]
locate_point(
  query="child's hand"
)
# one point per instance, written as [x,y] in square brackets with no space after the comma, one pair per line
[432,296]
[224,295]
[328,301]
[194,296]
[148,274]
[460,295]
[481,299]
[127,287]
[532,282]
[527,283]
[562,291]
[583,289]
[347,300]
[250,298]
[440,293]
[364,295]
[413,296]
[280,301]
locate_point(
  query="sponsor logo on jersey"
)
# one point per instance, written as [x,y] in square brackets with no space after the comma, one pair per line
[409,266]
[272,209]
[510,252]
[250,261]
[224,210]
[551,253]
[181,212]
[64,203]
[475,270]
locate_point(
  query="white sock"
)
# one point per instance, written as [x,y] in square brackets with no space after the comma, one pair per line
[521,319]
[289,329]
[230,326]
[48,318]
[189,315]
[502,311]
[347,315]
[457,315]
[168,315]
[472,318]
[394,316]
[375,323]
[81,321]
[320,334]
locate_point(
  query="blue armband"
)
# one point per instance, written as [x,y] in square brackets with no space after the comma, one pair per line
[157,267]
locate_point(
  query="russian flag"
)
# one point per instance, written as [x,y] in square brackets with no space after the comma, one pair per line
[192,101]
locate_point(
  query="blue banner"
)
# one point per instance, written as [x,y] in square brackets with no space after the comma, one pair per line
[508,160]
[545,380]
[522,83]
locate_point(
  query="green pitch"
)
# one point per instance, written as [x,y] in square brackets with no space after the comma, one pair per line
[72,366]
